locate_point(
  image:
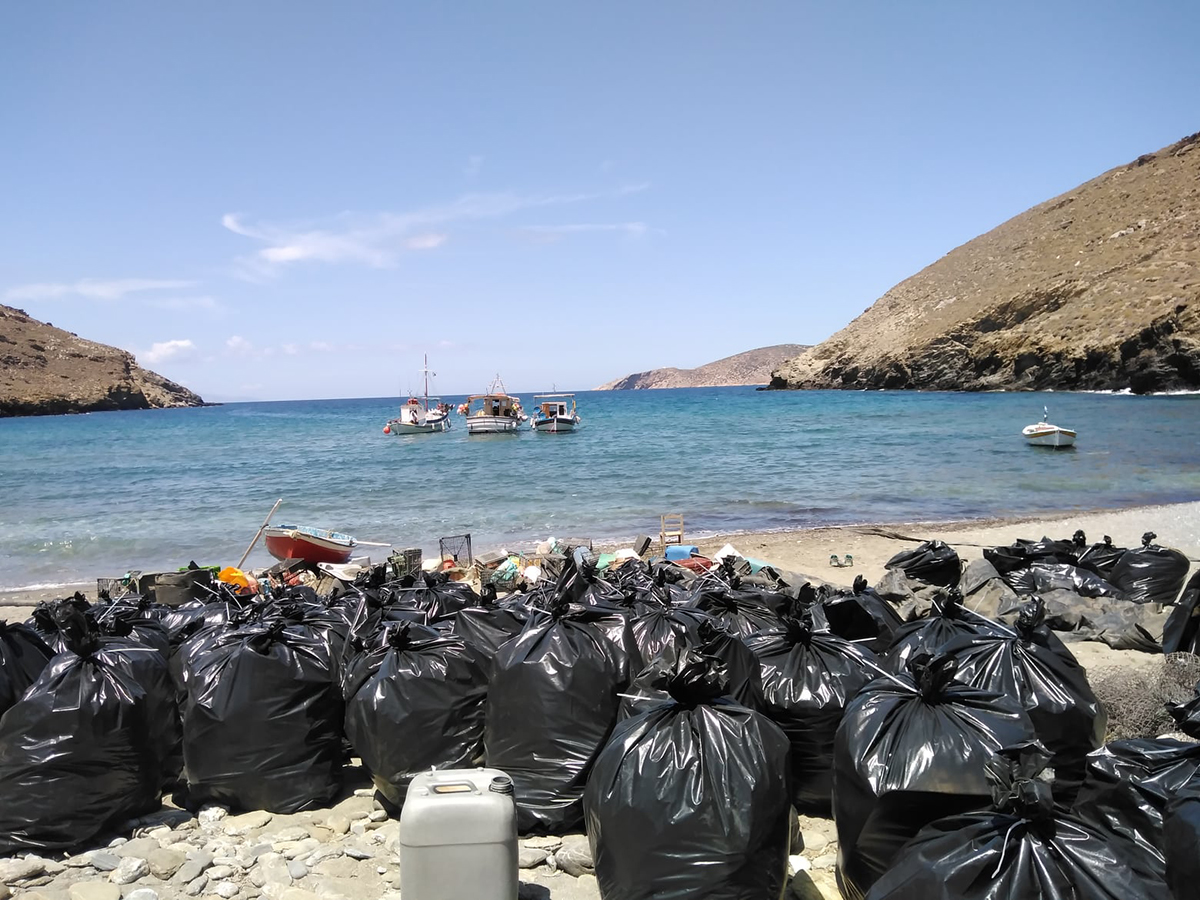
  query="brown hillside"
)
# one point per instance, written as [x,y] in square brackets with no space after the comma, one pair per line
[1098,289]
[46,371]
[751,367]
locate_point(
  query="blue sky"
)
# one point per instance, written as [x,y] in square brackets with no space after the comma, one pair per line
[276,200]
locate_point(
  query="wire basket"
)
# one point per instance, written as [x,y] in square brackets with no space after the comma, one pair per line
[456,547]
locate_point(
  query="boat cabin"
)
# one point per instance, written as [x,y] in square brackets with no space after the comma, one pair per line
[497,405]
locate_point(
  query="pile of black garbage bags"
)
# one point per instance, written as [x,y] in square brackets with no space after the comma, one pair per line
[682,719]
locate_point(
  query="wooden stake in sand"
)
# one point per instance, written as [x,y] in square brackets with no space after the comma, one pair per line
[258,533]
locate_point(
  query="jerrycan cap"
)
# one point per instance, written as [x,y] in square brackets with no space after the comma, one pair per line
[501,784]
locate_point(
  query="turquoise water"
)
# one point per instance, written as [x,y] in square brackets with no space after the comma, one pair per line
[99,494]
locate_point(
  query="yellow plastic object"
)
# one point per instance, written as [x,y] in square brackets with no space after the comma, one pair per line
[239,579]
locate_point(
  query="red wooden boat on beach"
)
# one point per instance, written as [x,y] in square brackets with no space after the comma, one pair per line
[310,544]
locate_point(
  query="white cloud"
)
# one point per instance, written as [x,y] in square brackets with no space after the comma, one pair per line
[320,346]
[290,349]
[378,239]
[426,241]
[238,344]
[556,232]
[94,288]
[165,350]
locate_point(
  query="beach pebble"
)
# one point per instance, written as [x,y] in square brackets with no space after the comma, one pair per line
[291,833]
[197,862]
[297,869]
[94,890]
[5,893]
[301,848]
[227,890]
[326,851]
[377,815]
[531,857]
[298,894]
[142,894]
[196,886]
[164,863]
[130,870]
[826,861]
[139,847]
[246,822]
[357,852]
[12,870]
[338,823]
[219,873]
[211,815]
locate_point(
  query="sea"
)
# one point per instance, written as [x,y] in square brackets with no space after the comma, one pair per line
[101,494]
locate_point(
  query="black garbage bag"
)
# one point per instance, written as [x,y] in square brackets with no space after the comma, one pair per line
[1151,574]
[552,702]
[438,596]
[1182,631]
[743,612]
[1048,576]
[1121,627]
[46,616]
[490,625]
[1181,837]
[1187,715]
[948,619]
[1032,665]
[262,720]
[23,656]
[1023,847]
[809,677]
[690,798]
[80,751]
[1100,558]
[414,700]
[932,562]
[662,633]
[860,615]
[912,749]
[135,625]
[743,675]
[1129,784]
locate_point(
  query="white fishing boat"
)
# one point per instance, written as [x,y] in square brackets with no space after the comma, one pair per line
[555,413]
[1044,434]
[496,412]
[418,417]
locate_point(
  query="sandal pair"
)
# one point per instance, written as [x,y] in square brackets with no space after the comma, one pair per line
[849,561]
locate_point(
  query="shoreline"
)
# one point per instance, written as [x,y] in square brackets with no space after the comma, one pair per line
[808,550]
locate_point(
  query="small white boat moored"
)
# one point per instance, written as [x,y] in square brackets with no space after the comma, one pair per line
[420,418]
[555,413]
[496,412]
[1044,434]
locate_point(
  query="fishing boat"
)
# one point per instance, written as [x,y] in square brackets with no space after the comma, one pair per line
[496,412]
[1044,434]
[417,417]
[555,414]
[310,544]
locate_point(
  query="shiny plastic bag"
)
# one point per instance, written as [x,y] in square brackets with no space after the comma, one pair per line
[1048,576]
[809,676]
[1151,574]
[437,596]
[1023,847]
[23,656]
[1032,665]
[1129,784]
[860,615]
[947,620]
[690,798]
[933,562]
[414,700]
[1100,558]
[262,720]
[1181,839]
[741,612]
[1181,634]
[82,750]
[552,702]
[912,749]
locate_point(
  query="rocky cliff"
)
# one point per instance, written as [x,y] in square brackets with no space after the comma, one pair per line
[751,367]
[1097,289]
[47,371]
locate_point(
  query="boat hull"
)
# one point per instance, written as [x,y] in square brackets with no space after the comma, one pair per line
[289,543]
[1050,437]
[428,427]
[554,425]
[492,425]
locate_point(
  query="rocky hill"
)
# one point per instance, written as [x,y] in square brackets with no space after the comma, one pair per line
[751,367]
[1097,289]
[47,371]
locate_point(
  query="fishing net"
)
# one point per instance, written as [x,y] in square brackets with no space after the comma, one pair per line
[1136,699]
